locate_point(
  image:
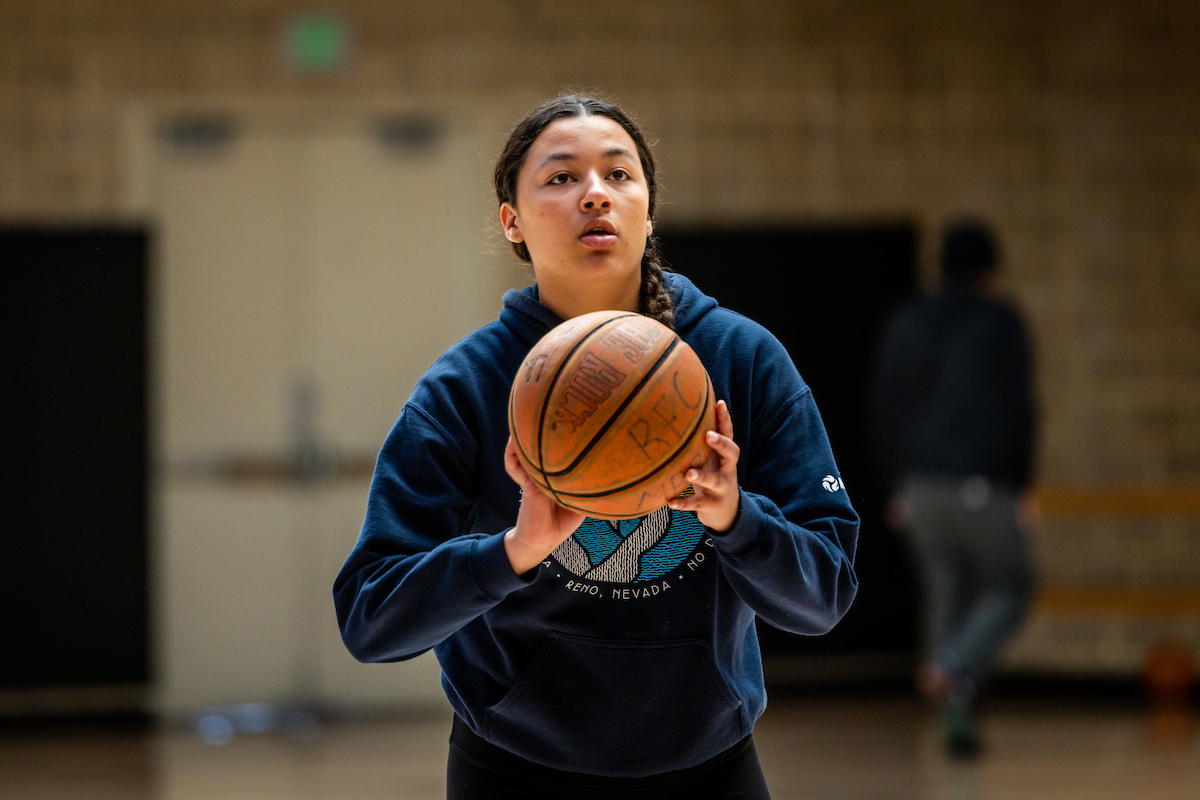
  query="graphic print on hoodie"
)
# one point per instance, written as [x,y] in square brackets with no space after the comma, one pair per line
[631,551]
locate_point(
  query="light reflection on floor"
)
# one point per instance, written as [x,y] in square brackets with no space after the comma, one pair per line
[835,748]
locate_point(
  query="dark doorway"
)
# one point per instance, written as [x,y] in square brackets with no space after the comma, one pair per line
[825,292]
[73,510]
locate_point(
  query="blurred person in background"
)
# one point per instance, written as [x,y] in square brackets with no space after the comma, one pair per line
[954,422]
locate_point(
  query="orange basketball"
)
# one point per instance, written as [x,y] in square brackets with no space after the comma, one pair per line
[608,411]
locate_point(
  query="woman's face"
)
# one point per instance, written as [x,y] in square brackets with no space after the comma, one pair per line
[583,210]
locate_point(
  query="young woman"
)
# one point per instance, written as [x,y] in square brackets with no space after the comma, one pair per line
[568,680]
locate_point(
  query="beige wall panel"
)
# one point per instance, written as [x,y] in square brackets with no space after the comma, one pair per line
[313,254]
[305,251]
[225,617]
[227,333]
[244,609]
[400,270]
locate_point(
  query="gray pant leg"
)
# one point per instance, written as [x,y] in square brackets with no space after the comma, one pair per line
[997,554]
[930,537]
[974,567]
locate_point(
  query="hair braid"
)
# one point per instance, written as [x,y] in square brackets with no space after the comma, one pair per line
[656,301]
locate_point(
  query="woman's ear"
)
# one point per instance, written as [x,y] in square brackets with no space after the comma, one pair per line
[649,225]
[510,223]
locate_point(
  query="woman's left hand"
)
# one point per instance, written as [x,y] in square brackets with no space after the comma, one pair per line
[716,487]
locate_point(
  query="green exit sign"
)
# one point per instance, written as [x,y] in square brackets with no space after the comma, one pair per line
[317,42]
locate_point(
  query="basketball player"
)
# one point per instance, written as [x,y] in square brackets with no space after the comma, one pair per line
[572,671]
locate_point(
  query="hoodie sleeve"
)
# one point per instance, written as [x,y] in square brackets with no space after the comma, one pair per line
[790,552]
[416,576]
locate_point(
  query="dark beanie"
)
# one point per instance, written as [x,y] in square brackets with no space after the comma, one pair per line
[968,250]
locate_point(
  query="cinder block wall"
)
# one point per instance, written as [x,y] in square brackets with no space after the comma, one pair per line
[1073,126]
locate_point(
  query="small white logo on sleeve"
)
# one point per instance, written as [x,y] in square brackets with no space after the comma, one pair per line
[831,483]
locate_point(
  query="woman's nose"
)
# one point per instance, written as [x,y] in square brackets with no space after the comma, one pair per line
[596,194]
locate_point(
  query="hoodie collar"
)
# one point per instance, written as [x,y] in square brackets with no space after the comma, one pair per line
[526,316]
[530,320]
[691,304]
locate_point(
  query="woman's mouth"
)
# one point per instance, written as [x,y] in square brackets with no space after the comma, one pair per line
[599,236]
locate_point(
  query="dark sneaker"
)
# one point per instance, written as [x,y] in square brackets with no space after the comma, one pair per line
[962,736]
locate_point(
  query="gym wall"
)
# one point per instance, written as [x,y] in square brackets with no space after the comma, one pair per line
[1071,126]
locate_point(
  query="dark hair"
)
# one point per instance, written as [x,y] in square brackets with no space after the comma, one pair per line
[968,251]
[656,296]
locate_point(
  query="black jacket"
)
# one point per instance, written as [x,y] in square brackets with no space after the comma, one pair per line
[952,393]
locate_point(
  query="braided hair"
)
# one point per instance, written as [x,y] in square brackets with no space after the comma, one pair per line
[655,301]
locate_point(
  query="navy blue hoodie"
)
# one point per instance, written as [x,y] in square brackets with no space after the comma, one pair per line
[631,650]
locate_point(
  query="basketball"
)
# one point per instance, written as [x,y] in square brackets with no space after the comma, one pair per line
[607,413]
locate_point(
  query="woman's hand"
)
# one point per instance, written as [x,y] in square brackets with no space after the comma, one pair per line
[542,524]
[716,488]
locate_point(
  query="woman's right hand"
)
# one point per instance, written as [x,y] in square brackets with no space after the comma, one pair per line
[542,524]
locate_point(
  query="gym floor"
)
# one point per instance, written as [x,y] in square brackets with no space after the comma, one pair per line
[834,747]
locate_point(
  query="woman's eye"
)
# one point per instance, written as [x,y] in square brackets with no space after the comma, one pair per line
[560,179]
[619,174]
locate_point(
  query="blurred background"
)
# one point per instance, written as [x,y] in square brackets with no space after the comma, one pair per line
[233,233]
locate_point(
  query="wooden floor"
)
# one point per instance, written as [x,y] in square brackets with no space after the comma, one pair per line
[842,748]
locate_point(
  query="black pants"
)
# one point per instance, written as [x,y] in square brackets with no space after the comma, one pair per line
[478,770]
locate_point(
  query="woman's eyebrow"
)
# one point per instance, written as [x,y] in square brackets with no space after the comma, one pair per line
[613,152]
[557,157]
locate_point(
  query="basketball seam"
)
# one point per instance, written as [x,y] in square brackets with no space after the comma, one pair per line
[550,391]
[591,513]
[660,467]
[613,417]
[512,429]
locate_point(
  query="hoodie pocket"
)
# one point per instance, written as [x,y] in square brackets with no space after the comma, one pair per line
[618,708]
